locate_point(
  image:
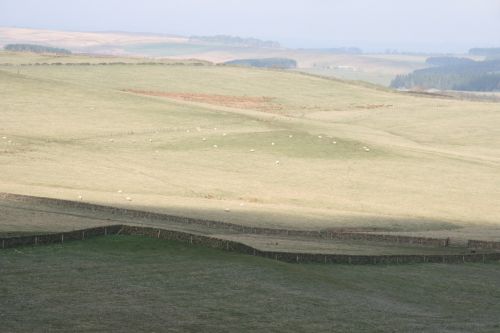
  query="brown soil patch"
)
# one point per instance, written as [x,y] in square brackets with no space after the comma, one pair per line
[260,103]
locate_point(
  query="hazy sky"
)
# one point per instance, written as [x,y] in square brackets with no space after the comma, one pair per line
[428,25]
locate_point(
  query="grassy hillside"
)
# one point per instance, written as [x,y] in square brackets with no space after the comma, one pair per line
[129,284]
[198,140]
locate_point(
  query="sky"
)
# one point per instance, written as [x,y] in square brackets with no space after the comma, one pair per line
[376,25]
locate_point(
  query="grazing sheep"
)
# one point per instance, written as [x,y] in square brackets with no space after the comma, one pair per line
[272,143]
[215,146]
[334,142]
[111,140]
[204,139]
[224,134]
[227,210]
[277,162]
[320,137]
[252,150]
[290,136]
[119,191]
[4,137]
[128,198]
[150,140]
[80,197]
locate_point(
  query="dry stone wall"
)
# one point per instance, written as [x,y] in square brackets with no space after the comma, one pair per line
[477,244]
[228,245]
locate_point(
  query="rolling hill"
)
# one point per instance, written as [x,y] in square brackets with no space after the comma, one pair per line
[255,147]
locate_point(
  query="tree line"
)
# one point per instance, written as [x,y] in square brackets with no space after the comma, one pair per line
[35,48]
[264,62]
[449,73]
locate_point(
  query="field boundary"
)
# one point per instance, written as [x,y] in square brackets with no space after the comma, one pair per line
[479,244]
[233,246]
[340,234]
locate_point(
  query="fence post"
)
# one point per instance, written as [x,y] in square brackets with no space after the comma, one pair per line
[62,238]
[36,240]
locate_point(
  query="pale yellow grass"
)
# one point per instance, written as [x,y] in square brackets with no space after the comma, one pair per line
[431,163]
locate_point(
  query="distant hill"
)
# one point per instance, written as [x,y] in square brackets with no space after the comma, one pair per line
[448,61]
[455,74]
[338,50]
[35,48]
[492,51]
[264,63]
[238,41]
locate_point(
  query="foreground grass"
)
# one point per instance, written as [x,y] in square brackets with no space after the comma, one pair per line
[125,283]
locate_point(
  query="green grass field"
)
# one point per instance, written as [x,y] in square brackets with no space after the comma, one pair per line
[130,284]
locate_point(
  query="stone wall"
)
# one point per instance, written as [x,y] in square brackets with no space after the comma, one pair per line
[325,234]
[228,245]
[477,244]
